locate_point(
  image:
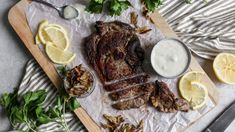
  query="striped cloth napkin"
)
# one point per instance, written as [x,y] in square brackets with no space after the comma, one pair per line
[207,28]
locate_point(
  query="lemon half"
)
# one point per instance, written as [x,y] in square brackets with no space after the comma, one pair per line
[224,67]
[193,89]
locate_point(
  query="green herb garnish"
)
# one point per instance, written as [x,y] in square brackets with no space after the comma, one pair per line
[151,5]
[95,6]
[31,111]
[62,70]
[116,7]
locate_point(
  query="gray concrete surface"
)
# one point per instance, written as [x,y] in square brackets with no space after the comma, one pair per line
[13,57]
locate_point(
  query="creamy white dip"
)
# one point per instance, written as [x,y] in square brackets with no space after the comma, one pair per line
[169,58]
[70,12]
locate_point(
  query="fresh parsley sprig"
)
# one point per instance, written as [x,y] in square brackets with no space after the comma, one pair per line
[95,6]
[114,7]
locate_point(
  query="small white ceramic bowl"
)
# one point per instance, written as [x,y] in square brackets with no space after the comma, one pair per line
[186,67]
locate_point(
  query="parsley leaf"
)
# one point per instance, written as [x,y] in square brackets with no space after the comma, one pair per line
[116,7]
[151,5]
[95,6]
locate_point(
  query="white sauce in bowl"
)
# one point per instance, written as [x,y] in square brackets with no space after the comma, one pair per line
[170,58]
[70,12]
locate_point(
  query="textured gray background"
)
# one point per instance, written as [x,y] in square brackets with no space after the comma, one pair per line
[13,57]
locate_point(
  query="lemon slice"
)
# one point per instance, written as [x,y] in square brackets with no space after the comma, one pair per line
[198,94]
[37,40]
[57,26]
[193,89]
[59,56]
[224,67]
[41,33]
[58,37]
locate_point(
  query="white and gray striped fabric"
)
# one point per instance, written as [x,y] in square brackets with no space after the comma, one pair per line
[35,79]
[207,28]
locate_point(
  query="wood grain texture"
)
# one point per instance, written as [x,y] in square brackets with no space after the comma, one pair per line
[18,21]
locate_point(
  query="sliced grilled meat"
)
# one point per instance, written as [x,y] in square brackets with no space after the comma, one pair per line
[114,51]
[165,101]
[146,88]
[127,82]
[132,103]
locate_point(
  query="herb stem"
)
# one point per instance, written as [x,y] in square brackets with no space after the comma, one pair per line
[63,116]
[29,126]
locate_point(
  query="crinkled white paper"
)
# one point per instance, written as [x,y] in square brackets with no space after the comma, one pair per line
[98,102]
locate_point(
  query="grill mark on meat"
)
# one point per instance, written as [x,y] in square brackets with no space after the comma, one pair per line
[165,101]
[132,103]
[127,82]
[133,91]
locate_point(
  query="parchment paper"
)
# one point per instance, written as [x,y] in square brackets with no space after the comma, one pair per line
[98,102]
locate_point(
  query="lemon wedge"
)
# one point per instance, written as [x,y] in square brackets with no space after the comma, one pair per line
[193,89]
[57,36]
[59,56]
[224,67]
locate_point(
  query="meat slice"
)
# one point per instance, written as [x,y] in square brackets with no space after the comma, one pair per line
[165,101]
[132,103]
[114,51]
[146,88]
[127,82]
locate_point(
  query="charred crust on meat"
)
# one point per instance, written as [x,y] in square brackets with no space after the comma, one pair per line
[114,51]
[165,101]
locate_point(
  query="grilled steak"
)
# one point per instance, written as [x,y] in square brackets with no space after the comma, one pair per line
[165,101]
[127,82]
[114,51]
[132,103]
[133,91]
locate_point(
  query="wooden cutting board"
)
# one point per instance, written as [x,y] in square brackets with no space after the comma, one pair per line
[18,21]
